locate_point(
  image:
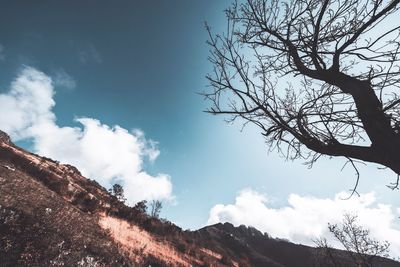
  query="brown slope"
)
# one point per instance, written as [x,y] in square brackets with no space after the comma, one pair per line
[50,215]
[40,228]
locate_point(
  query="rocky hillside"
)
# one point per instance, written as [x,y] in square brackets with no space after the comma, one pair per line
[50,215]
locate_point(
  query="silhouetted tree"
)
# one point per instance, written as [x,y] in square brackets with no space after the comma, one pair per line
[156,207]
[362,249]
[319,77]
[141,206]
[118,191]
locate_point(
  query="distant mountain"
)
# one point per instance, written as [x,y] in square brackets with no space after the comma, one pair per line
[50,215]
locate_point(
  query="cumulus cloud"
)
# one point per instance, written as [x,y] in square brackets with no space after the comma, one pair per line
[27,104]
[306,218]
[105,153]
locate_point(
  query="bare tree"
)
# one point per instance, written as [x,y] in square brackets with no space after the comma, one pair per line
[319,77]
[363,250]
[156,207]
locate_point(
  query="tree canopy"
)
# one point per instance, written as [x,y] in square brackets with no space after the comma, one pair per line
[318,77]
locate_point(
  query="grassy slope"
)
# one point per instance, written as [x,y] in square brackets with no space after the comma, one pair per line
[50,215]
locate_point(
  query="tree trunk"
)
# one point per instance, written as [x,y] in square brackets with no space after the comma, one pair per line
[385,142]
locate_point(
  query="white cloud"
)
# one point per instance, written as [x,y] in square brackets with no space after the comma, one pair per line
[28,103]
[106,154]
[306,218]
[62,79]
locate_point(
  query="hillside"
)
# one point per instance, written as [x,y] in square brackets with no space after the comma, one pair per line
[50,215]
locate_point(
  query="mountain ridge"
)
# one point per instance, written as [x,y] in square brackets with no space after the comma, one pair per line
[51,215]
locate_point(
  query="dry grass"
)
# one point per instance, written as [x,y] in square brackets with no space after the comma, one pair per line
[139,244]
[40,228]
[212,253]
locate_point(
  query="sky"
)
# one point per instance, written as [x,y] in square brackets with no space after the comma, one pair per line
[113,88]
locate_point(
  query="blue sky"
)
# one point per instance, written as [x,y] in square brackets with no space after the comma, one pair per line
[140,65]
